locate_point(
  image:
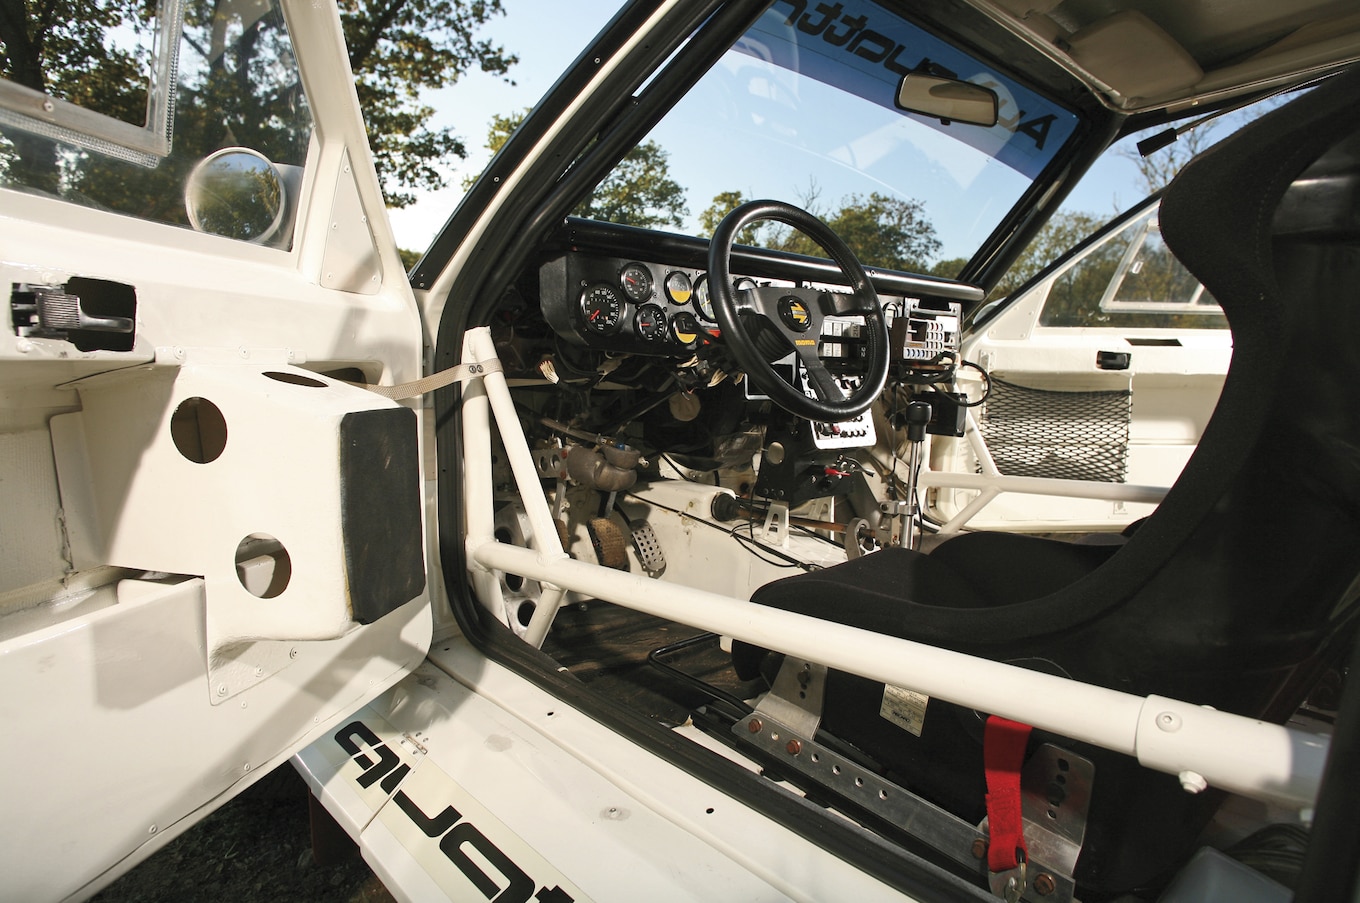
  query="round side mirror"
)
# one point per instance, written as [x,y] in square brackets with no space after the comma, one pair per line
[237,193]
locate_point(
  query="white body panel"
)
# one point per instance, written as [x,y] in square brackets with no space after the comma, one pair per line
[143,678]
[572,803]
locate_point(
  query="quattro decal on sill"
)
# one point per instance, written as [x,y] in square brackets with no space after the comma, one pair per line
[458,842]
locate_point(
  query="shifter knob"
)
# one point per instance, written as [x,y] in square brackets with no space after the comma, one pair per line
[918,415]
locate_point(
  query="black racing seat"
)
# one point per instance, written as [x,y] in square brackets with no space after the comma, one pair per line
[1239,591]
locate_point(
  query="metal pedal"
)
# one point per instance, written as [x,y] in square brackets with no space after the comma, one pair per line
[607,540]
[648,548]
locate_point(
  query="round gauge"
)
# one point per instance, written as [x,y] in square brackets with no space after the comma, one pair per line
[650,323]
[636,280]
[702,302]
[685,329]
[602,308]
[678,287]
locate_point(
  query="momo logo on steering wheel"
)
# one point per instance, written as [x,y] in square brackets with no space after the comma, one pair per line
[795,314]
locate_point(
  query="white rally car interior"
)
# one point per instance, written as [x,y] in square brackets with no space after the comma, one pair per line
[597,561]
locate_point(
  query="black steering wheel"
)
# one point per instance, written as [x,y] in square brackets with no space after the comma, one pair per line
[750,318]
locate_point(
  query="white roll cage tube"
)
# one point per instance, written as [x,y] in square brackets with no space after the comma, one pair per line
[991,483]
[1203,747]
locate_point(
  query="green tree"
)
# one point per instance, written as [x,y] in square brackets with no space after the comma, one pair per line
[1058,236]
[882,230]
[639,191]
[92,69]
[398,48]
[724,203]
[949,269]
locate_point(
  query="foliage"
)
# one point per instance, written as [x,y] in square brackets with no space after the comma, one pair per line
[1058,236]
[1153,277]
[238,86]
[639,191]
[881,230]
[93,69]
[724,203]
[397,48]
[949,269]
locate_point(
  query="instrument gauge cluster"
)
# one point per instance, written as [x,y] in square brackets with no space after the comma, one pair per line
[631,306]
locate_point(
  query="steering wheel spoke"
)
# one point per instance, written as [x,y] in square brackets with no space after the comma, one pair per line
[796,314]
[823,383]
[841,304]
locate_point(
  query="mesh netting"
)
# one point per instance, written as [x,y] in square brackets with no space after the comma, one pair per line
[1062,435]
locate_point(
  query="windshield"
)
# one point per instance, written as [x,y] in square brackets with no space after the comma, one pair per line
[801,109]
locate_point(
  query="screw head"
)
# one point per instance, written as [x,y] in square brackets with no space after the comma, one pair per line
[979,848]
[794,747]
[754,725]
[1044,884]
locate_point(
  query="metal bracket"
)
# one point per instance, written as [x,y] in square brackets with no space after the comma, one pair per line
[797,753]
[796,696]
[776,528]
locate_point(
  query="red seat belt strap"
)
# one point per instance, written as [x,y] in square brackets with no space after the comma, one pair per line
[1003,753]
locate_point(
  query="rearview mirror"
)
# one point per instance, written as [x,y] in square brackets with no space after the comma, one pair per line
[947,99]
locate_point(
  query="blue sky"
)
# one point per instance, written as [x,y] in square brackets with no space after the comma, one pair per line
[547,35]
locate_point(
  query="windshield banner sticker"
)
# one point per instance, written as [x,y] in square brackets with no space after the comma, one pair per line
[858,47]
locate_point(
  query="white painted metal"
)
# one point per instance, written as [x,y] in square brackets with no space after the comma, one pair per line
[278,473]
[105,674]
[117,748]
[554,786]
[1096,715]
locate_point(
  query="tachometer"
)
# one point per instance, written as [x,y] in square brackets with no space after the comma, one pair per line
[602,308]
[636,280]
[650,323]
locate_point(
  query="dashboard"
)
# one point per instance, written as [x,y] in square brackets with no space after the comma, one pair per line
[623,290]
[622,305]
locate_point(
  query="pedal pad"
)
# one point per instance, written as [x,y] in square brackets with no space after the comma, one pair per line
[607,539]
[648,548]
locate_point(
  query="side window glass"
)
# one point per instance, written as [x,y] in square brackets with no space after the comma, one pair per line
[1130,280]
[188,112]
[1151,280]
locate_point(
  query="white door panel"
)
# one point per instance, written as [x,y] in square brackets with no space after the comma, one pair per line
[212,546]
[1120,315]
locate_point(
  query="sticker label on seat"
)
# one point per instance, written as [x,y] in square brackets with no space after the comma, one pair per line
[904,708]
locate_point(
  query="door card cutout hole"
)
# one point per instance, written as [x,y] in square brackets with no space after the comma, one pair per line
[263,565]
[199,430]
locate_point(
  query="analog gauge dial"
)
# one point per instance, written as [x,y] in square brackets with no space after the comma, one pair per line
[702,302]
[679,289]
[602,308]
[649,323]
[636,280]
[685,329]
